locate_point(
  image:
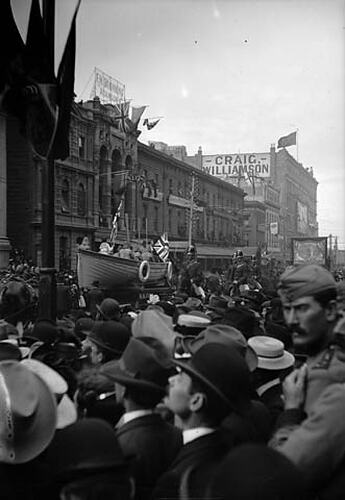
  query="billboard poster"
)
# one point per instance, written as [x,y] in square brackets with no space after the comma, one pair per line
[108,89]
[302,218]
[309,251]
[246,165]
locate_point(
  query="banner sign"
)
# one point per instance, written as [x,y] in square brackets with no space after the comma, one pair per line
[238,165]
[108,89]
[309,251]
[302,218]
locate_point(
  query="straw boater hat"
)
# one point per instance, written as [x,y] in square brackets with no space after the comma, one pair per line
[27,413]
[270,352]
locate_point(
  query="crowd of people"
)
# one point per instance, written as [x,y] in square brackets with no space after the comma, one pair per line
[216,395]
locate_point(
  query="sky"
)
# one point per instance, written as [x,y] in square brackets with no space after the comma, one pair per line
[229,76]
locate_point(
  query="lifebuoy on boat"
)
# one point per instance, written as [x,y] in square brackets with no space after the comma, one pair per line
[169,271]
[144,271]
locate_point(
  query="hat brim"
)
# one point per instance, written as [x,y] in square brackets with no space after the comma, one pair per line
[104,315]
[66,412]
[102,345]
[41,432]
[250,356]
[122,377]
[190,370]
[280,363]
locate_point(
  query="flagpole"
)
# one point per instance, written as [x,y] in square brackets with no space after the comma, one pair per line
[146,232]
[47,283]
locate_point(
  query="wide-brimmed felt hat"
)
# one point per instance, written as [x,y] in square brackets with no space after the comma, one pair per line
[28,413]
[87,446]
[242,318]
[110,335]
[109,308]
[270,352]
[218,304]
[222,371]
[254,471]
[66,410]
[142,366]
[192,303]
[225,335]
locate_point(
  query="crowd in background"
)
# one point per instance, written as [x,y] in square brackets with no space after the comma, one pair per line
[224,389]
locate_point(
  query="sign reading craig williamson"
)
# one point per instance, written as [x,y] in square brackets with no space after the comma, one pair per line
[238,165]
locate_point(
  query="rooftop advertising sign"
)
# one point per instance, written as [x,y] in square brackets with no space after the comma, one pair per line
[238,165]
[108,89]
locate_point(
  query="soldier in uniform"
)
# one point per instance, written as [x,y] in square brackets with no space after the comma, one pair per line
[241,273]
[311,430]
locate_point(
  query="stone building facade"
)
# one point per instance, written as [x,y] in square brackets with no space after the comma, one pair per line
[108,168]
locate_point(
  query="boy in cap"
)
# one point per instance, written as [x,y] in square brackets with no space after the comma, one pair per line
[141,377]
[212,383]
[316,443]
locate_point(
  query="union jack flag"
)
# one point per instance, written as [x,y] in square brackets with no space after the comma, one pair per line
[161,247]
[121,113]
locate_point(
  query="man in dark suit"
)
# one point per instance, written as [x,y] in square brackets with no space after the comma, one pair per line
[212,383]
[141,378]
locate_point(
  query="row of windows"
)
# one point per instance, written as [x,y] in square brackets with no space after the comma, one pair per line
[66,198]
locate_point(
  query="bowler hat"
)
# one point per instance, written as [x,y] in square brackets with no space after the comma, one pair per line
[8,350]
[87,446]
[225,335]
[45,331]
[109,309]
[223,371]
[142,366]
[112,336]
[83,326]
[270,352]
[28,410]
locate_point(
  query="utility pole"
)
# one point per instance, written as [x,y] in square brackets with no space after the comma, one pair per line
[47,284]
[190,229]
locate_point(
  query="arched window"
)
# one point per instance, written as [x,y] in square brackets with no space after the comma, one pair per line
[81,200]
[65,196]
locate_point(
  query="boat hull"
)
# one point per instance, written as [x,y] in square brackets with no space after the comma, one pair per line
[113,271]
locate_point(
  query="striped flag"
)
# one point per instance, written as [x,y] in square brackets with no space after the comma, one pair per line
[113,233]
[161,247]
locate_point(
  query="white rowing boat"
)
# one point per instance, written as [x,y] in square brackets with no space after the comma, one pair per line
[113,271]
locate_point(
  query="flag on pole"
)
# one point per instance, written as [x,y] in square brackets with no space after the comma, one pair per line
[161,247]
[287,140]
[136,114]
[121,115]
[65,94]
[114,229]
[150,124]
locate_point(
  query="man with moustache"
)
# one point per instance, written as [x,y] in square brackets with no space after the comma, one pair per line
[311,430]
